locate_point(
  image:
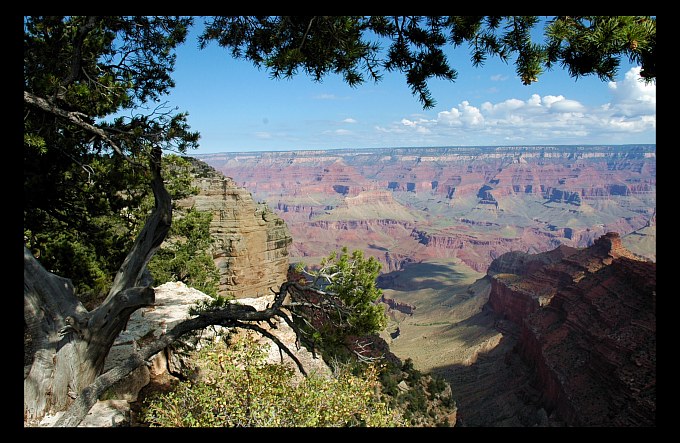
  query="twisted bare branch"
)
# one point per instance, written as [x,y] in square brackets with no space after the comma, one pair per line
[234,316]
[230,316]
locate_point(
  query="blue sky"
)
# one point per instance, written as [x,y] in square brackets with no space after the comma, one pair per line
[237,107]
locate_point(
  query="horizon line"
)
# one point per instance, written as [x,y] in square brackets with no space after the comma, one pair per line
[544,145]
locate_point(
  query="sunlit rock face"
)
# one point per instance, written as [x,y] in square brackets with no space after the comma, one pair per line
[251,241]
[588,327]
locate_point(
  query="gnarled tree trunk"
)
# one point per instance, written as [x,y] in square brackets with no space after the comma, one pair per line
[70,343]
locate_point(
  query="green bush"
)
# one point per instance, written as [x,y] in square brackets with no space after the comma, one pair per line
[184,255]
[236,387]
[436,385]
[351,293]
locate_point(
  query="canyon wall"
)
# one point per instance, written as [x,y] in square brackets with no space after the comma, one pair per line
[588,327]
[251,241]
[405,205]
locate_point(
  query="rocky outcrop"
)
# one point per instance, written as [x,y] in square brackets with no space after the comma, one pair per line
[588,327]
[251,241]
[403,307]
[512,295]
[521,263]
[172,304]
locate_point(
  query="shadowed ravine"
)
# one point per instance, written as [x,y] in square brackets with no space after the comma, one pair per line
[562,337]
[452,334]
[495,389]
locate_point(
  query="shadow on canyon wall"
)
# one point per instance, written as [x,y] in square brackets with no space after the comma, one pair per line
[496,388]
[422,275]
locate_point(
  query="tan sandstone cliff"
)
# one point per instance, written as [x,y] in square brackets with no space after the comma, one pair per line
[251,242]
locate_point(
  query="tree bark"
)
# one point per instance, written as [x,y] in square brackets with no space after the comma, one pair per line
[71,343]
[235,316]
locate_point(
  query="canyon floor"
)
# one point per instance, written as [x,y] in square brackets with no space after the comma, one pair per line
[452,334]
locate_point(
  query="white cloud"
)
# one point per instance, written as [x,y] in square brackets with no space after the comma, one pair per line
[349,120]
[470,115]
[537,119]
[342,132]
[566,105]
[326,97]
[498,78]
[548,100]
[632,125]
[535,100]
[633,86]
[464,115]
[451,118]
[415,123]
[263,135]
[505,106]
[632,96]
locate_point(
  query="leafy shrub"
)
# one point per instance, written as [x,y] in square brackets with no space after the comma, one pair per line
[237,387]
[348,296]
[436,385]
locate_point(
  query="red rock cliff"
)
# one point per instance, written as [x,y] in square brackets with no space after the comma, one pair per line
[588,326]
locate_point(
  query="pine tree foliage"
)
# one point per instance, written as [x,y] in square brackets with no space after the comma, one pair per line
[339,301]
[86,181]
[360,48]
[352,278]
[587,45]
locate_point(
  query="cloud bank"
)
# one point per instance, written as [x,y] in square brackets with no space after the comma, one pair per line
[540,119]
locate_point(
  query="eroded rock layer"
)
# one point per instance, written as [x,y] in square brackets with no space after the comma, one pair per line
[588,327]
[251,249]
[469,203]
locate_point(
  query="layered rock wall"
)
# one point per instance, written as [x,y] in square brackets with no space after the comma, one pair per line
[471,203]
[588,327]
[251,241]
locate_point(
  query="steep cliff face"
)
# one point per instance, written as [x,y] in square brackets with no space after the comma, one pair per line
[251,249]
[588,327]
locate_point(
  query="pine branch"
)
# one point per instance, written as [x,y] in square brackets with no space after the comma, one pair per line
[76,118]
